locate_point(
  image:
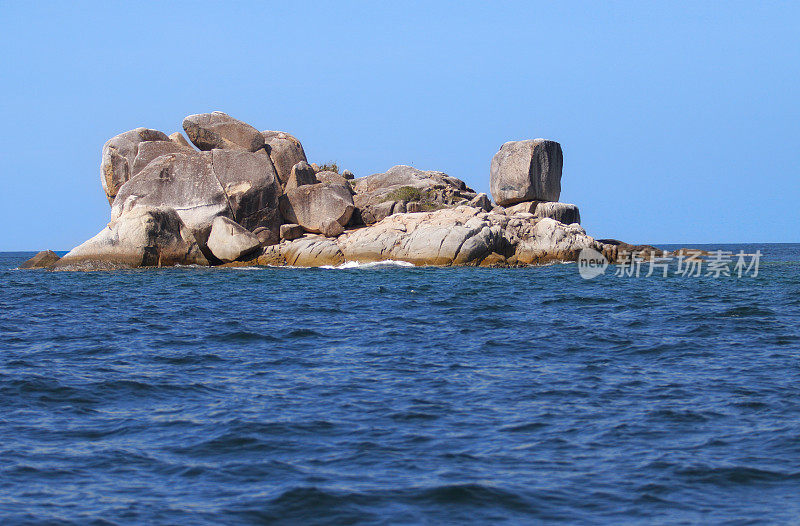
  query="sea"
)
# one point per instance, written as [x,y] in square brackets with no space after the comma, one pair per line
[388,394]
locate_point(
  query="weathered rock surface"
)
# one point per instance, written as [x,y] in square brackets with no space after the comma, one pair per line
[526,171]
[301,174]
[151,150]
[457,236]
[291,231]
[435,186]
[327,176]
[142,237]
[219,130]
[312,251]
[311,205]
[562,212]
[380,195]
[118,155]
[481,201]
[461,235]
[203,185]
[331,228]
[183,182]
[180,140]
[251,186]
[544,240]
[372,213]
[229,241]
[44,259]
[285,151]
[614,249]
[267,236]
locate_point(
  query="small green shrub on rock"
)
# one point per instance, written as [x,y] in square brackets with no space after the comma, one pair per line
[405,193]
[330,166]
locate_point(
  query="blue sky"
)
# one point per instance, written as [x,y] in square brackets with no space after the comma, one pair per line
[680,122]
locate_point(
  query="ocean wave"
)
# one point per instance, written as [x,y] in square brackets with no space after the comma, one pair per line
[425,395]
[372,264]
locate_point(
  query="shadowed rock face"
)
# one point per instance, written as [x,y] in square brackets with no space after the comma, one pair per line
[291,231]
[481,201]
[311,205]
[44,259]
[285,151]
[526,171]
[301,174]
[143,237]
[562,212]
[219,130]
[118,155]
[251,186]
[371,214]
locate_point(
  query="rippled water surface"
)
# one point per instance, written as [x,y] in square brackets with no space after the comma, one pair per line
[397,395]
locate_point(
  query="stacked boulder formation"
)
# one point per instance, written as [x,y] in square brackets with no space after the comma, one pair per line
[238,196]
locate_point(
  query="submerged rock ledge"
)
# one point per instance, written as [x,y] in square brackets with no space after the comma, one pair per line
[244,197]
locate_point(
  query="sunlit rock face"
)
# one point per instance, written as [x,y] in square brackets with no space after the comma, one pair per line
[237,195]
[526,171]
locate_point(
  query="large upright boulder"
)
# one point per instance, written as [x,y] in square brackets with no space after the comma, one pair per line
[142,237]
[118,155]
[251,186]
[311,205]
[285,151]
[526,171]
[219,130]
[184,182]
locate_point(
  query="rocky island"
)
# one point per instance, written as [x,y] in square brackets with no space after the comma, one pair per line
[238,196]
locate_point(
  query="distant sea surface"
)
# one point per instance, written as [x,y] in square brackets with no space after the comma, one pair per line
[384,395]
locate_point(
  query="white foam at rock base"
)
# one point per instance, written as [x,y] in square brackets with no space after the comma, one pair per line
[371,264]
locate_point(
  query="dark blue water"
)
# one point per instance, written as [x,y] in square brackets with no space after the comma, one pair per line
[394,395]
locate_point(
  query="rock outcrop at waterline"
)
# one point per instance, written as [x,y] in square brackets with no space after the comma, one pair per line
[236,195]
